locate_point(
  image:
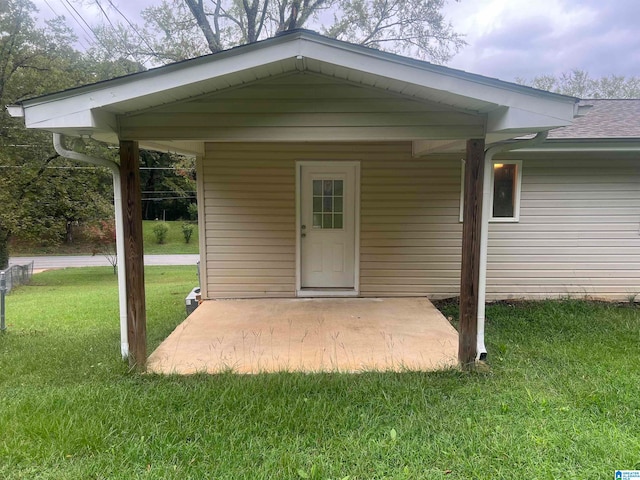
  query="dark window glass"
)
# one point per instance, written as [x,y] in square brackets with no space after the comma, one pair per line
[504,190]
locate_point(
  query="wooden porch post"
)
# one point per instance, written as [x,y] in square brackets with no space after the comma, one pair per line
[134,276]
[470,268]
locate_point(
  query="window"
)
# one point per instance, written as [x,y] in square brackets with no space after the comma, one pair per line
[328,197]
[506,178]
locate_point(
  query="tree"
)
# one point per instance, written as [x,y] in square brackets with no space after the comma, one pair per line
[180,29]
[168,185]
[41,195]
[578,83]
[102,236]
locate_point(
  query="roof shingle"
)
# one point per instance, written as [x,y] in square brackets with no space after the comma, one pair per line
[605,119]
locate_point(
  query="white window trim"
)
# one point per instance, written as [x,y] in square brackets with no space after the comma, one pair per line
[516,206]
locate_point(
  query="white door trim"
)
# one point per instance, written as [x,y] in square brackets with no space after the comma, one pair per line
[355,291]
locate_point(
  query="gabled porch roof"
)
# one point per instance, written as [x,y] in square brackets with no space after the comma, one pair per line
[507,109]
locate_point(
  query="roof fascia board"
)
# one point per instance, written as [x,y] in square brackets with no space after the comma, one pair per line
[120,90]
[89,120]
[436,77]
[516,120]
[291,47]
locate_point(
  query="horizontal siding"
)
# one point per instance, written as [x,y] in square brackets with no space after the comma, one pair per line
[302,106]
[249,210]
[410,234]
[250,227]
[578,235]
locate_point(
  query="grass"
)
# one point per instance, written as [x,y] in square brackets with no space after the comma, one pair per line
[175,243]
[561,400]
[175,239]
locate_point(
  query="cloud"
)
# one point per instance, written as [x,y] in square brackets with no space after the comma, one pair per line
[520,38]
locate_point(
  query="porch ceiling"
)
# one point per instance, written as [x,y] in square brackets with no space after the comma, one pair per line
[509,109]
[310,335]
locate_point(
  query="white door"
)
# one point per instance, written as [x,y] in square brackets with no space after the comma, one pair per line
[327,226]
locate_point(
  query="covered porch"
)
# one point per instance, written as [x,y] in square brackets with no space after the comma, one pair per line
[309,335]
[306,99]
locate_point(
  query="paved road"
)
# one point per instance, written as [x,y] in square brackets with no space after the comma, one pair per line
[62,261]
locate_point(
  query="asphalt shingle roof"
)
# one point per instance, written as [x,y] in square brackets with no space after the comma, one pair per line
[605,119]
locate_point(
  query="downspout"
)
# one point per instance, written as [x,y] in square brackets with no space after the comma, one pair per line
[58,144]
[484,232]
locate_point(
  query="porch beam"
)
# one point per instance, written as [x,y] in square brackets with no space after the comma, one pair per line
[470,267]
[134,259]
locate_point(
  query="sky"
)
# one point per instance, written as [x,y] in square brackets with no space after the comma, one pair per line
[507,39]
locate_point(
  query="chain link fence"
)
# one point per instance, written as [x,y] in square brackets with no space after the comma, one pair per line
[17,275]
[12,277]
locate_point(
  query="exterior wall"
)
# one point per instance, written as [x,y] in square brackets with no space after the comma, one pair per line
[579,230]
[410,234]
[578,234]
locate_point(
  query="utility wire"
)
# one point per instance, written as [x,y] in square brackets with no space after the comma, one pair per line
[56,14]
[133,27]
[67,6]
[105,15]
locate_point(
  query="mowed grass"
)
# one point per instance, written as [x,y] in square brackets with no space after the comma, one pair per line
[562,399]
[175,242]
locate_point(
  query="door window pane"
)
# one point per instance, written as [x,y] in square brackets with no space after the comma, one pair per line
[328,204]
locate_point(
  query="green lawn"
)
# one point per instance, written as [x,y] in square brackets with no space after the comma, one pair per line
[175,239]
[175,243]
[562,399]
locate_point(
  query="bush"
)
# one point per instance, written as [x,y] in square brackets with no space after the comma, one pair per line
[102,236]
[193,212]
[187,231]
[160,232]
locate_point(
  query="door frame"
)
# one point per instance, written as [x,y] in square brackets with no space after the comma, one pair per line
[310,292]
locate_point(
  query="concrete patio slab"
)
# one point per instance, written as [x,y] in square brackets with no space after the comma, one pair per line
[310,335]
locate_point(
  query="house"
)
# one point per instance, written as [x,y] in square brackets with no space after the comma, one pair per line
[330,169]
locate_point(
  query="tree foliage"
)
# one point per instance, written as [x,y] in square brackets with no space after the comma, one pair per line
[41,194]
[180,29]
[168,185]
[102,236]
[578,83]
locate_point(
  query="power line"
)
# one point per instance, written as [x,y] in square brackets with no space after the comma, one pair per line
[133,27]
[56,14]
[75,18]
[105,15]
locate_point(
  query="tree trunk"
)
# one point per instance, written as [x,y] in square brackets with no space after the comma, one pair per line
[69,234]
[197,9]
[4,249]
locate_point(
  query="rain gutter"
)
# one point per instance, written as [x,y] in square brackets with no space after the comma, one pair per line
[481,349]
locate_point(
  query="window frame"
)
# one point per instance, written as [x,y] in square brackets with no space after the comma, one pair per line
[518,189]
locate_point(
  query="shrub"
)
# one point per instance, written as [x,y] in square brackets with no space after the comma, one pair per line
[102,236]
[187,231]
[192,209]
[160,232]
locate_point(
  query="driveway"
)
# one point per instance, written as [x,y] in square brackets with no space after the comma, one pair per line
[64,261]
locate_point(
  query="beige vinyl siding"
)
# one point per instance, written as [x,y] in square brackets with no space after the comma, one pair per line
[302,106]
[578,235]
[410,235]
[249,208]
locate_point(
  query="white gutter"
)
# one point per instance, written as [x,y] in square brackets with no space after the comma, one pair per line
[58,144]
[481,349]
